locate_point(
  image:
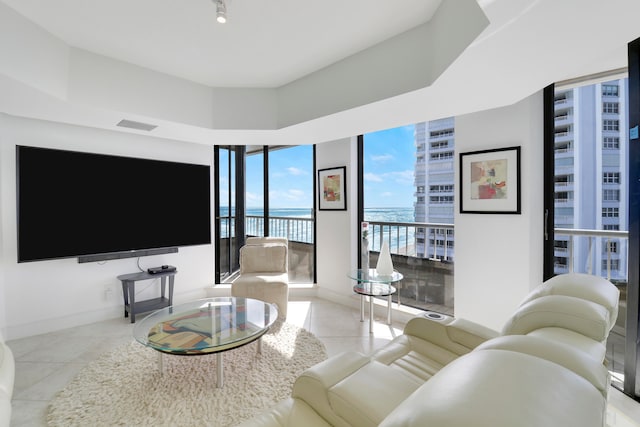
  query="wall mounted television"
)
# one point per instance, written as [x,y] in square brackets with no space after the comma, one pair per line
[95,206]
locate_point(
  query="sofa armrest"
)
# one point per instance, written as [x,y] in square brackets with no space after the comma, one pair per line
[314,384]
[457,335]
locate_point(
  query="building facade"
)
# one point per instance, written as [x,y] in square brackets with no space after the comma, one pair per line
[591,163]
[434,184]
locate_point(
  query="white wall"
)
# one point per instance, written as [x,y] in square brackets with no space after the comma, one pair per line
[31,55]
[115,85]
[335,245]
[499,257]
[38,297]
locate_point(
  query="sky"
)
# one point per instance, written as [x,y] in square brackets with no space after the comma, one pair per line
[389,158]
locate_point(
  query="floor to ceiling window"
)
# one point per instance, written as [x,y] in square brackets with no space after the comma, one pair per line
[228,210]
[267,192]
[291,206]
[588,151]
[408,189]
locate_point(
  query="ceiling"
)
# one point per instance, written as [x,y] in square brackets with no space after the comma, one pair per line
[269,45]
[265,43]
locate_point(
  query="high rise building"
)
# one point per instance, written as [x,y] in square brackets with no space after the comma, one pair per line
[434,183]
[591,150]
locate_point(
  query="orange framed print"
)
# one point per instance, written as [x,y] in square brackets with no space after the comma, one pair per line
[332,192]
[490,181]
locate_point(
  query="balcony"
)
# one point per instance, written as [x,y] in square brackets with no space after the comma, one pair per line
[563,119]
[563,136]
[427,268]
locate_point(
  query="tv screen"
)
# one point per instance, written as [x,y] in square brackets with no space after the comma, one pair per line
[72,204]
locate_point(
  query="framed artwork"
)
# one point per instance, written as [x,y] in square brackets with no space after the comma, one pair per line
[490,181]
[332,193]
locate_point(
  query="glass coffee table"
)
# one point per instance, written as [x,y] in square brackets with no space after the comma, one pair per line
[206,326]
[370,283]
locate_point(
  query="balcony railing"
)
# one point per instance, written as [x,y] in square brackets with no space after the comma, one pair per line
[595,238]
[401,237]
[295,229]
[436,241]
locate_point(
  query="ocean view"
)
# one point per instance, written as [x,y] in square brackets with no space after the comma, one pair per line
[297,225]
[370,214]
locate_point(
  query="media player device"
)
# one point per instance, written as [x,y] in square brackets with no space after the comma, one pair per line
[161,269]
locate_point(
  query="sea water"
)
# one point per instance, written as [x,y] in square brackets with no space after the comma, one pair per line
[297,225]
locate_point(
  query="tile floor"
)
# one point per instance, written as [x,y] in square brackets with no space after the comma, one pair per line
[46,363]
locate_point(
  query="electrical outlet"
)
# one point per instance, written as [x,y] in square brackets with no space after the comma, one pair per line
[108,292]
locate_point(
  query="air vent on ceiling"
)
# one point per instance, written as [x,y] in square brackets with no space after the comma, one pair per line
[136,125]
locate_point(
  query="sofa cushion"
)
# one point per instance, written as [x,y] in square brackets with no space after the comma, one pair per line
[269,287]
[557,352]
[596,349]
[584,286]
[385,390]
[501,388]
[578,315]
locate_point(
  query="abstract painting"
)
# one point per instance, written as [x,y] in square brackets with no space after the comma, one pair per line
[490,181]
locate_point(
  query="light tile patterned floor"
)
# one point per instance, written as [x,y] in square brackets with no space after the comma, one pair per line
[46,363]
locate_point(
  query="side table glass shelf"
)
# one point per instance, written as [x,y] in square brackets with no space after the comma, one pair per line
[371,284]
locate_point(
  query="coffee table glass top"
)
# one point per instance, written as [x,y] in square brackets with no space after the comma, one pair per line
[371,275]
[207,325]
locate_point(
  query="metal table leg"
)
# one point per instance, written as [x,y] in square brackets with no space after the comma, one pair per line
[220,371]
[370,315]
[161,362]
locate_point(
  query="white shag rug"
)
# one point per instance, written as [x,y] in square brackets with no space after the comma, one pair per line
[125,387]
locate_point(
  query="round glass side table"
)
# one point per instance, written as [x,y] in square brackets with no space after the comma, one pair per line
[371,284]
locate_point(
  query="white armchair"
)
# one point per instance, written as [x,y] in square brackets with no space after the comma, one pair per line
[264,272]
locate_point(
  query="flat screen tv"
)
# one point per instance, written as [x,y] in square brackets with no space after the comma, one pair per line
[74,204]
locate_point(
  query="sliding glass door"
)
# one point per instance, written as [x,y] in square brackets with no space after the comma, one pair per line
[229,210]
[265,191]
[588,182]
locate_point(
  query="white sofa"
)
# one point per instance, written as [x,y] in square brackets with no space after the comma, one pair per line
[7,374]
[264,272]
[544,369]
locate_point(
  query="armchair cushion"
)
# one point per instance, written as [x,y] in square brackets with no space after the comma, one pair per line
[268,258]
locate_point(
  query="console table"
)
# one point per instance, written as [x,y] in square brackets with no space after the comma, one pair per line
[131,307]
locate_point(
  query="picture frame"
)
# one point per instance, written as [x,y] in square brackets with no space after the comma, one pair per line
[332,185]
[490,181]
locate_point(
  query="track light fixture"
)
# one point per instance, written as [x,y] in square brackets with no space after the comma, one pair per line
[221,11]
